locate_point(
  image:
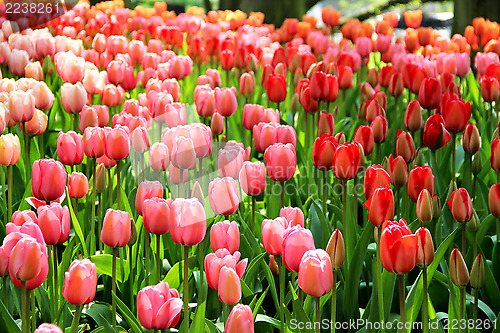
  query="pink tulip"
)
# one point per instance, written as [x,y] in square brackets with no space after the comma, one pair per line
[222,258]
[48,179]
[240,320]
[147,190]
[21,106]
[252,178]
[70,148]
[188,224]
[155,214]
[80,282]
[159,307]
[296,242]
[93,142]
[226,235]
[140,139]
[21,217]
[116,228]
[73,97]
[159,157]
[48,328]
[315,273]
[273,232]
[54,222]
[201,135]
[229,286]
[231,158]
[225,101]
[293,216]
[183,155]
[223,196]
[26,259]
[281,161]
[116,143]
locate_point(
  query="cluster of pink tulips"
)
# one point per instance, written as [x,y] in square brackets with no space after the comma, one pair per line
[209,172]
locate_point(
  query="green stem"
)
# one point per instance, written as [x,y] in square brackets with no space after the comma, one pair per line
[324,192]
[54,260]
[253,213]
[227,126]
[453,155]
[318,316]
[402,307]
[24,309]
[147,249]
[100,207]
[334,301]
[92,209]
[464,241]
[476,305]
[425,301]
[26,154]
[113,288]
[9,192]
[31,296]
[186,289]
[462,307]
[397,203]
[282,193]
[380,291]
[158,263]
[282,294]
[110,189]
[224,314]
[41,146]
[76,319]
[5,293]
[118,185]
[52,289]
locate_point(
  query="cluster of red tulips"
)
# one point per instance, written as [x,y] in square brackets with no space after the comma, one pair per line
[134,148]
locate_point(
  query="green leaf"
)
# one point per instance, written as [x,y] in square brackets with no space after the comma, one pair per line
[6,321]
[104,265]
[77,227]
[211,327]
[127,314]
[298,310]
[259,302]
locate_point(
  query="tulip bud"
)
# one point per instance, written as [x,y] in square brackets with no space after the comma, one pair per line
[436,207]
[398,171]
[477,273]
[335,249]
[198,193]
[459,273]
[425,252]
[477,163]
[380,128]
[474,224]
[424,207]
[100,178]
[326,124]
[461,205]
[405,146]
[217,124]
[471,141]
[413,116]
[133,233]
[78,185]
[273,266]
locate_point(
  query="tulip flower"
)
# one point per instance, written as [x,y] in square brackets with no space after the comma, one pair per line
[276,88]
[296,242]
[420,178]
[477,275]
[225,235]
[346,161]
[159,157]
[116,228]
[10,149]
[21,217]
[223,196]
[459,273]
[315,273]
[398,170]
[225,101]
[215,261]
[21,106]
[319,86]
[461,205]
[80,282]
[147,190]
[495,154]
[48,179]
[156,213]
[375,176]
[54,222]
[413,116]
[281,161]
[158,307]
[240,320]
[229,286]
[230,159]
[405,146]
[326,124]
[424,207]
[187,223]
[429,94]
[323,150]
[380,205]
[48,328]
[116,143]
[364,135]
[252,178]
[494,200]
[471,140]
[456,114]
[183,155]
[26,259]
[93,142]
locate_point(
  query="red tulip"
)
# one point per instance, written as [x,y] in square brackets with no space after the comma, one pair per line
[296,242]
[364,135]
[495,155]
[398,247]
[281,161]
[385,75]
[380,205]
[420,177]
[456,114]
[252,178]
[116,142]
[471,141]
[379,127]
[80,282]
[323,151]
[396,84]
[398,170]
[78,185]
[413,116]
[319,86]
[494,200]
[425,212]
[375,176]
[429,94]
[345,77]
[159,307]
[223,196]
[247,84]
[48,179]
[147,190]
[461,205]
[315,273]
[490,89]
[240,320]
[425,252]
[188,222]
[326,124]
[435,134]
[116,228]
[346,161]
[405,146]
[276,88]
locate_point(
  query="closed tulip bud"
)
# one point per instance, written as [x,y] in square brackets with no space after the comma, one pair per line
[398,171]
[93,142]
[372,77]
[223,196]
[326,124]
[276,88]
[460,205]
[147,190]
[217,124]
[459,273]
[375,176]
[159,157]
[380,205]
[424,207]
[100,178]
[420,177]
[197,193]
[471,141]
[494,200]
[252,178]
[140,139]
[429,94]
[315,273]
[436,206]
[396,84]
[413,116]
[80,282]
[225,235]
[425,252]
[477,275]
[21,106]
[155,214]
[281,161]
[336,249]
[78,185]
[73,97]
[247,84]
[405,146]
[48,179]
[27,259]
[346,161]
[70,148]
[240,320]
[296,242]
[225,101]
[495,154]
[345,77]
[319,86]
[10,149]
[477,163]
[364,136]
[490,89]
[229,286]
[116,142]
[323,151]
[398,247]
[54,222]
[188,222]
[116,228]
[159,307]
[183,155]
[474,224]
[379,128]
[48,328]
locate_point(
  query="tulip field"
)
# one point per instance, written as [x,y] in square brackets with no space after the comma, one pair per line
[209,172]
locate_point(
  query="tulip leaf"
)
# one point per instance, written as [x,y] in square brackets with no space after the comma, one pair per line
[6,320]
[266,319]
[270,280]
[259,302]
[211,327]
[77,227]
[319,226]
[104,265]
[199,317]
[127,314]
[101,314]
[298,310]
[415,296]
